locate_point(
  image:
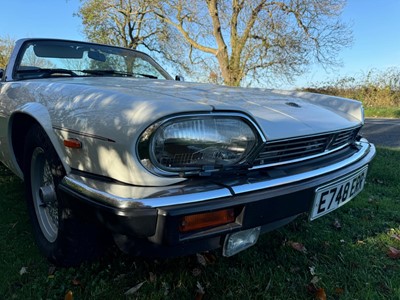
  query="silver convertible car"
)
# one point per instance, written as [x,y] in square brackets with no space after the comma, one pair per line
[110,145]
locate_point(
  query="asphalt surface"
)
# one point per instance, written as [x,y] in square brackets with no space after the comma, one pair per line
[382,132]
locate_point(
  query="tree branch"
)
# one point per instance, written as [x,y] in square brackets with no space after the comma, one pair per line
[185,34]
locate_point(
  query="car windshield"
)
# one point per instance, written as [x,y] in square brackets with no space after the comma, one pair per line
[55,58]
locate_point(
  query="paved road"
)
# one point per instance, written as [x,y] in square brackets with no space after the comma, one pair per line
[382,132]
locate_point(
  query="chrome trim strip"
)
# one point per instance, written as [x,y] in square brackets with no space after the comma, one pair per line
[296,160]
[89,135]
[181,194]
[366,149]
[326,152]
[319,134]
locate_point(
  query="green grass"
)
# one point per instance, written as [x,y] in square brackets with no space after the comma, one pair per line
[350,262]
[382,112]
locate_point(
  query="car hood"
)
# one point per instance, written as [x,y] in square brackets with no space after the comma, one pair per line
[108,115]
[135,103]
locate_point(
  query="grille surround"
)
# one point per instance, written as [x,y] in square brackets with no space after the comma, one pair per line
[275,153]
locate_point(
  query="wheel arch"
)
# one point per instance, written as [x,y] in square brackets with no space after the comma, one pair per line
[21,121]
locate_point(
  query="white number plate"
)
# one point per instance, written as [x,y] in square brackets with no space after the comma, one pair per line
[334,195]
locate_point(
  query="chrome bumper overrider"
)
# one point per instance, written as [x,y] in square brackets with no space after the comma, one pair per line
[127,196]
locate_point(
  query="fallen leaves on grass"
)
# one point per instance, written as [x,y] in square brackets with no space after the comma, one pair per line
[69,296]
[339,291]
[210,258]
[337,225]
[52,270]
[152,277]
[76,282]
[196,272]
[200,291]
[119,277]
[201,259]
[378,181]
[320,294]
[297,246]
[315,280]
[134,289]
[312,287]
[23,271]
[165,288]
[395,236]
[205,258]
[393,253]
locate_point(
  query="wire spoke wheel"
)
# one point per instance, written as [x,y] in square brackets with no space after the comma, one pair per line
[43,194]
[63,237]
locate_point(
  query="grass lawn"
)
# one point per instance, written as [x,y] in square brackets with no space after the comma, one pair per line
[348,254]
[382,112]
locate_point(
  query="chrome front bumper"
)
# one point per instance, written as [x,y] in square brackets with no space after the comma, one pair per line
[123,196]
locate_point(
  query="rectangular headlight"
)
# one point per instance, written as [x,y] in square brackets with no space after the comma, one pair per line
[192,144]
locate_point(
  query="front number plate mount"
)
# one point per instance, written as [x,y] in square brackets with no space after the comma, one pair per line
[333,195]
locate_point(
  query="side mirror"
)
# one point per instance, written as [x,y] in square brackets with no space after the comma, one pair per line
[1,74]
[179,78]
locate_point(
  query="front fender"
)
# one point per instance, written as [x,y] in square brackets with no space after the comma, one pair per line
[38,113]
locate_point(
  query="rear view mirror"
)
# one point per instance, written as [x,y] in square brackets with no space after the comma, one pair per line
[179,78]
[96,55]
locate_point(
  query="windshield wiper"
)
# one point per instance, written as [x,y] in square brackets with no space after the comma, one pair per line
[113,72]
[45,72]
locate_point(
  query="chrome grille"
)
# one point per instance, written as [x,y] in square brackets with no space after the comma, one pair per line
[298,149]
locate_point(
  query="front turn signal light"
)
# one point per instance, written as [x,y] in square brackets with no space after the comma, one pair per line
[206,220]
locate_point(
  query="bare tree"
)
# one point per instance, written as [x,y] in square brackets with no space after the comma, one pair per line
[226,41]
[255,38]
[126,23]
[6,47]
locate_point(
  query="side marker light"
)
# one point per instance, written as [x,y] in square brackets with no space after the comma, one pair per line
[72,143]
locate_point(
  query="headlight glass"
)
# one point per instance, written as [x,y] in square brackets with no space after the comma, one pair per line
[198,144]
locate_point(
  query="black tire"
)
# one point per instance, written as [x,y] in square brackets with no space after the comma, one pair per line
[60,235]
